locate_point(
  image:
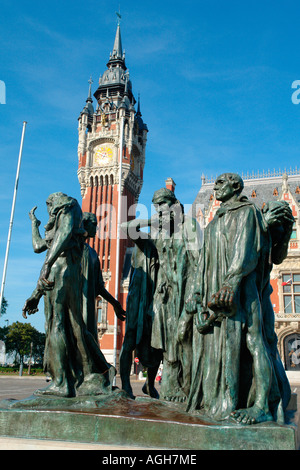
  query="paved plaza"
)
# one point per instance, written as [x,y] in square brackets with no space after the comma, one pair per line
[22,387]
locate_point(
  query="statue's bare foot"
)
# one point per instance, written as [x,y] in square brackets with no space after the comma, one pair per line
[94,384]
[54,390]
[177,396]
[150,390]
[253,415]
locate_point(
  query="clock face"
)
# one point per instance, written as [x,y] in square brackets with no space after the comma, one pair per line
[103,155]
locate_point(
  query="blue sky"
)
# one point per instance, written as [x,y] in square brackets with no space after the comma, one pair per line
[214,77]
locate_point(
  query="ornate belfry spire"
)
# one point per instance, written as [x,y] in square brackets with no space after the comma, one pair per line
[117,50]
[117,57]
[115,81]
[111,156]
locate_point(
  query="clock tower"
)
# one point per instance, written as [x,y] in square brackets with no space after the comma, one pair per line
[111,159]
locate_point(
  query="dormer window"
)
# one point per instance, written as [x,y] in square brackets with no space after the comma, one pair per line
[294,232]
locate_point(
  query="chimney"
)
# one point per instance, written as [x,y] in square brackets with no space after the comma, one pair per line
[170,184]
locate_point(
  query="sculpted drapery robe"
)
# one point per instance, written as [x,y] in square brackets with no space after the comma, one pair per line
[237,252]
[72,355]
[92,282]
[140,300]
[178,255]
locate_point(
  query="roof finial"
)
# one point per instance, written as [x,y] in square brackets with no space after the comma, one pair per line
[285,186]
[90,87]
[89,109]
[139,105]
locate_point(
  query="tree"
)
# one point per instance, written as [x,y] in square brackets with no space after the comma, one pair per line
[3,333]
[19,338]
[3,307]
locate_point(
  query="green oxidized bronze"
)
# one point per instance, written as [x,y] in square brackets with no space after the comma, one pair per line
[175,239]
[139,319]
[237,371]
[92,280]
[206,312]
[72,355]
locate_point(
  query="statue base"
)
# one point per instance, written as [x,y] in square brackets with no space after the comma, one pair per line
[117,420]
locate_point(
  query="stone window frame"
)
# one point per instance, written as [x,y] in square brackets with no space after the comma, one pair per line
[102,321]
[293,292]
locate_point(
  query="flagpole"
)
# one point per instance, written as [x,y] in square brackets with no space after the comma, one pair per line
[12,214]
[117,281]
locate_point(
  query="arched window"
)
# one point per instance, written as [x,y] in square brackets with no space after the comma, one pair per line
[292,351]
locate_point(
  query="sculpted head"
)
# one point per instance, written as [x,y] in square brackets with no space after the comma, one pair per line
[90,223]
[168,208]
[228,186]
[56,202]
[164,196]
[52,199]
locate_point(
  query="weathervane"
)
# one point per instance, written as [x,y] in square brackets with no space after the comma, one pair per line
[119,16]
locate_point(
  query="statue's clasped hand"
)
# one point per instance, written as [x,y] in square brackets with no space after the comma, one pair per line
[191,303]
[223,300]
[278,213]
[45,285]
[162,287]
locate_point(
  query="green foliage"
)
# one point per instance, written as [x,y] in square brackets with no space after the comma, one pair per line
[3,306]
[23,339]
[3,333]
[15,370]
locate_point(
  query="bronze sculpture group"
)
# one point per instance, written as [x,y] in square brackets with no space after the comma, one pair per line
[204,311]
[72,354]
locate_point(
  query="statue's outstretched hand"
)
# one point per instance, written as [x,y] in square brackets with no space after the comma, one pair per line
[31,304]
[121,314]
